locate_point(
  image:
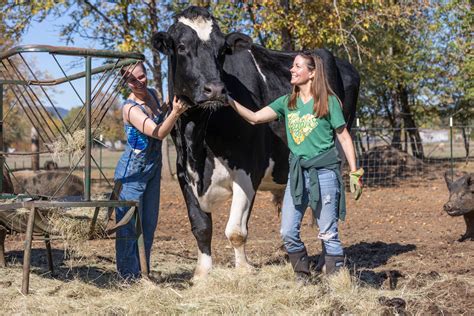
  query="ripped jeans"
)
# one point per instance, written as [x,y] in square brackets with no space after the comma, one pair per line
[326,214]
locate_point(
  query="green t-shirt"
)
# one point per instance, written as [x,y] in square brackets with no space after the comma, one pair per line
[309,136]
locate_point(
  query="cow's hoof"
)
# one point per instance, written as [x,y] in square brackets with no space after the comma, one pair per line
[199,275]
[245,267]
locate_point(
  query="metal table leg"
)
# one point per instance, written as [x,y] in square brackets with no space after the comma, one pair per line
[47,242]
[141,244]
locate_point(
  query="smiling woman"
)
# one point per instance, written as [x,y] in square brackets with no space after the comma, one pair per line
[139,168]
[313,115]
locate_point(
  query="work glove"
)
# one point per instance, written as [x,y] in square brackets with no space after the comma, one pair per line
[356,183]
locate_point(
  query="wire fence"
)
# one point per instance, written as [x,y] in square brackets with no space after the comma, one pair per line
[386,159]
[390,155]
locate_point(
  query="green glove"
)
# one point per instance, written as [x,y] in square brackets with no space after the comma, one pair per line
[356,183]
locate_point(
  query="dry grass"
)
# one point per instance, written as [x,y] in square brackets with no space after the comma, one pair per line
[269,290]
[72,145]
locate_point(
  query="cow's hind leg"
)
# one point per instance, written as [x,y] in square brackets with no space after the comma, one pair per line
[236,229]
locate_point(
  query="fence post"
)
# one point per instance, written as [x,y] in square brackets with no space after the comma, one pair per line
[87,157]
[101,138]
[1,136]
[358,141]
[451,145]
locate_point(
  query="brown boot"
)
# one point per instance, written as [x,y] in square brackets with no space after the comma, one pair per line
[334,263]
[300,263]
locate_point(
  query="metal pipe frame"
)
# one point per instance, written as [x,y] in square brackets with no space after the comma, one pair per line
[125,59]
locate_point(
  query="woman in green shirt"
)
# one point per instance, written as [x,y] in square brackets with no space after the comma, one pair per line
[313,115]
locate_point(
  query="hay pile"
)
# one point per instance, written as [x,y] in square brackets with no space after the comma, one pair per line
[269,290]
[71,225]
[73,145]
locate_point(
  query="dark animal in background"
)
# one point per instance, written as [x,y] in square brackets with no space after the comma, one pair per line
[219,154]
[461,201]
[44,183]
[50,165]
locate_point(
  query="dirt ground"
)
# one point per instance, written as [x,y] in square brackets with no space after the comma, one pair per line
[397,234]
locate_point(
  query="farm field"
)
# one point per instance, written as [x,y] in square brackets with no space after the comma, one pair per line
[395,237]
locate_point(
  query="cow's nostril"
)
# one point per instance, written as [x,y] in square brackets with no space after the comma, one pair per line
[213,90]
[207,90]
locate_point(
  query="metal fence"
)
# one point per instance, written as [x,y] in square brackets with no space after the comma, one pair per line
[386,162]
[390,156]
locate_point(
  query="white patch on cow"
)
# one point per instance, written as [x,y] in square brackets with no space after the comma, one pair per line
[219,190]
[201,26]
[258,68]
[236,229]
[204,265]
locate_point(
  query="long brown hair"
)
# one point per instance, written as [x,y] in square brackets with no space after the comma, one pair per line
[320,89]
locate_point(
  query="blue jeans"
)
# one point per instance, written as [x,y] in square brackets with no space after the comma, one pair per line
[326,214]
[140,175]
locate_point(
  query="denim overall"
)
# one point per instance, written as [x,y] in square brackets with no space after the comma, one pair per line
[139,171]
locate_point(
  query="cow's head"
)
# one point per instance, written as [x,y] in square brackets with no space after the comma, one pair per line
[193,44]
[196,48]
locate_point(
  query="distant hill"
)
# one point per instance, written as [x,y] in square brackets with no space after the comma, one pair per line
[62,111]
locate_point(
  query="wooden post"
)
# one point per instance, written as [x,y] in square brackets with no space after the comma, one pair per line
[27,254]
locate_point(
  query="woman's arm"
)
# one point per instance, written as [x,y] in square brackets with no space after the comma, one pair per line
[145,125]
[345,140]
[262,116]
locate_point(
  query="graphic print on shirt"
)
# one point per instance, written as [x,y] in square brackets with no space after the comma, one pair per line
[300,127]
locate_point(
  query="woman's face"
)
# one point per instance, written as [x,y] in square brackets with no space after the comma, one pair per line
[300,73]
[137,80]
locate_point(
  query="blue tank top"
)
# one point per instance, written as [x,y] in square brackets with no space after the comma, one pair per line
[136,139]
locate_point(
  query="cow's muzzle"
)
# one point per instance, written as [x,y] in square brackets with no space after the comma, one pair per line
[213,95]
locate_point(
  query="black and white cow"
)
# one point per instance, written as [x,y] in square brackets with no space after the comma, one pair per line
[219,154]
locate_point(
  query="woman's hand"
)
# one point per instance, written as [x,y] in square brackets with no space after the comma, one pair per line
[179,107]
[355,178]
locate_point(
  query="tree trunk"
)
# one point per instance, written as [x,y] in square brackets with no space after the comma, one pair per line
[35,158]
[465,137]
[158,80]
[397,122]
[286,40]
[410,125]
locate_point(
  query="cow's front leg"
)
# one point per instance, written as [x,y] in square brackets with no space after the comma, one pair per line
[201,226]
[236,230]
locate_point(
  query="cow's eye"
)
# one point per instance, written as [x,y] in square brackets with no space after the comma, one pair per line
[181,48]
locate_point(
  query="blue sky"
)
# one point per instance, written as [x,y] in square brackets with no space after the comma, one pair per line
[47,33]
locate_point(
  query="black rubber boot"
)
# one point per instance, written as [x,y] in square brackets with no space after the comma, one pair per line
[320,264]
[300,263]
[334,263]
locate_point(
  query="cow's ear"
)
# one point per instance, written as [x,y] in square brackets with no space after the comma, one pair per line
[162,42]
[237,41]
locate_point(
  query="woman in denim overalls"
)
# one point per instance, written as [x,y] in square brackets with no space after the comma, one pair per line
[313,118]
[139,168]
